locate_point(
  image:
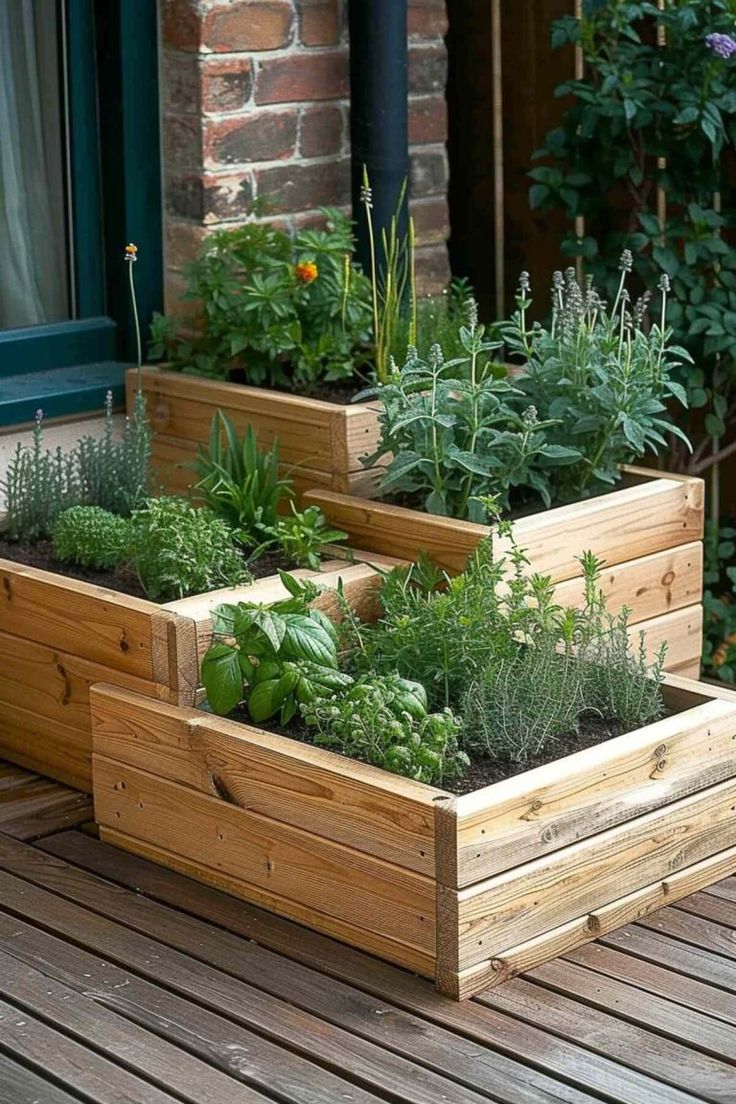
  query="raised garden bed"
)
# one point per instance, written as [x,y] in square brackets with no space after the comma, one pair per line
[59,635]
[320,443]
[648,533]
[468,891]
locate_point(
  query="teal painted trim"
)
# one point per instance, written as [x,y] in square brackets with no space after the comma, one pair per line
[128,68]
[84,150]
[60,392]
[59,344]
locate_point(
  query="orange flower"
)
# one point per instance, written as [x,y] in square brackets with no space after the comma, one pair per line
[131,252]
[306,272]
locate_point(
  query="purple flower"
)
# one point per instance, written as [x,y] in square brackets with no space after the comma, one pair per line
[723,45]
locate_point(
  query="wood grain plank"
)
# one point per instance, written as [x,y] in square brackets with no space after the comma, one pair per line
[20,1085]
[50,747]
[676,1065]
[545,893]
[98,625]
[154,1031]
[383,815]
[552,806]
[660,950]
[278,860]
[656,514]
[576,1071]
[77,1068]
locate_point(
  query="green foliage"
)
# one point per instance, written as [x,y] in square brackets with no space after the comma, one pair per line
[590,395]
[179,550]
[719,602]
[646,116]
[91,536]
[105,472]
[383,720]
[599,381]
[276,657]
[283,311]
[239,482]
[302,535]
[521,670]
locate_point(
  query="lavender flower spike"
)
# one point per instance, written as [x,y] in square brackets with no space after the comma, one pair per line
[723,45]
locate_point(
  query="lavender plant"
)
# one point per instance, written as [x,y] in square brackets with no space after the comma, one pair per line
[599,379]
[39,485]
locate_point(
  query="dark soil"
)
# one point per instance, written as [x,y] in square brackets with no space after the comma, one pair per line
[484,772]
[122,579]
[481,772]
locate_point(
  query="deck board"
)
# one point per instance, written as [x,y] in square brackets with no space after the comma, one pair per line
[122,982]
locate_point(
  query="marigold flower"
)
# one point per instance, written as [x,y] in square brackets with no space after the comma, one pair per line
[131,252]
[306,272]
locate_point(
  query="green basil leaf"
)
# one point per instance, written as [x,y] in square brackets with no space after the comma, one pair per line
[222,678]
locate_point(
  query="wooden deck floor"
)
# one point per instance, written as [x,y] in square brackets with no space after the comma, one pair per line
[122,983]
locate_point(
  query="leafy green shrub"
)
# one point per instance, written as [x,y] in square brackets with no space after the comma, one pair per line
[277,657]
[91,536]
[283,311]
[590,396]
[239,482]
[41,484]
[383,720]
[179,550]
[302,535]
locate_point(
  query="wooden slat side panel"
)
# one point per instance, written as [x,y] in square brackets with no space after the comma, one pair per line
[650,586]
[96,624]
[272,776]
[51,748]
[307,430]
[524,903]
[361,434]
[411,958]
[620,526]
[597,922]
[681,631]
[278,859]
[553,806]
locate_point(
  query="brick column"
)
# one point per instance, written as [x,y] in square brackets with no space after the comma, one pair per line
[255,101]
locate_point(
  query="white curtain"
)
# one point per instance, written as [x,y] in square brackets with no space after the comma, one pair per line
[33,267]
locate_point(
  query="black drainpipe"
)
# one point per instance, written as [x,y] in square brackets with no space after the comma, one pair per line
[379,126]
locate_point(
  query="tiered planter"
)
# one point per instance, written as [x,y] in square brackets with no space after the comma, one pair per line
[320,443]
[58,636]
[468,891]
[648,533]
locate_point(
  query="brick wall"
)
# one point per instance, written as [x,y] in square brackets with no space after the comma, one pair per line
[255,101]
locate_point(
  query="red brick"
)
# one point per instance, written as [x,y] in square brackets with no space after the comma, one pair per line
[428,172]
[181,24]
[260,136]
[433,269]
[304,187]
[321,131]
[248,25]
[184,195]
[226,84]
[180,81]
[320,22]
[427,119]
[303,77]
[427,18]
[427,68]
[182,141]
[226,196]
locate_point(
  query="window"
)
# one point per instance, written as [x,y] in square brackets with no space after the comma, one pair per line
[79,165]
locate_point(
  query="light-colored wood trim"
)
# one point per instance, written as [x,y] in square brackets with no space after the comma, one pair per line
[553,806]
[272,776]
[401,954]
[656,514]
[599,921]
[547,892]
[281,859]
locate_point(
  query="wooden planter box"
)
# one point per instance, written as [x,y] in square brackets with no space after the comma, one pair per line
[468,891]
[320,443]
[648,533]
[58,636]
